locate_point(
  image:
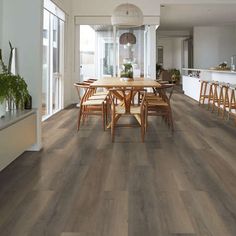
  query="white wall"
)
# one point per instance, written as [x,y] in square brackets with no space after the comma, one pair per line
[167,44]
[213,45]
[177,53]
[22,24]
[1,21]
[172,48]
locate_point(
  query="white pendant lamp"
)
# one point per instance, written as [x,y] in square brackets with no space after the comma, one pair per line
[127,15]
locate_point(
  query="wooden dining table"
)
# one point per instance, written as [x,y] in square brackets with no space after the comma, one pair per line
[116,82]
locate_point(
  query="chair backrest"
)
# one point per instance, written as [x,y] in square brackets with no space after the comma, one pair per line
[125,96]
[87,91]
[165,76]
[163,89]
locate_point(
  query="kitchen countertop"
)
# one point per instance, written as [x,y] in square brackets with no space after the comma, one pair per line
[210,70]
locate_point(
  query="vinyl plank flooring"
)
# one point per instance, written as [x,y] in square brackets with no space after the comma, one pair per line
[82,184]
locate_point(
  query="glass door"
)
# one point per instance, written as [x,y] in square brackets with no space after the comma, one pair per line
[46,66]
[96,51]
[53,61]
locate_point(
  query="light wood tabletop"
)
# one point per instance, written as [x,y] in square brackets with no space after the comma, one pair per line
[119,82]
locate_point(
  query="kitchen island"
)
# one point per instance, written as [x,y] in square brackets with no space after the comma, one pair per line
[191,79]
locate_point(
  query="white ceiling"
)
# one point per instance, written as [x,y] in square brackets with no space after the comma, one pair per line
[184,17]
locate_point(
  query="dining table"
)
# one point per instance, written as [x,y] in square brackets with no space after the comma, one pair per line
[124,83]
[116,82]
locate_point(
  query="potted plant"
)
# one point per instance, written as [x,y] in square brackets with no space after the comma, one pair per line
[17,92]
[13,90]
[127,71]
[175,75]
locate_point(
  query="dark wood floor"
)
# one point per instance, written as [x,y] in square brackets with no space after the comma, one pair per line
[81,184]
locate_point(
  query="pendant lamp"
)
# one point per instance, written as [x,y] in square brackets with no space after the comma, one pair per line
[127,15]
[127,37]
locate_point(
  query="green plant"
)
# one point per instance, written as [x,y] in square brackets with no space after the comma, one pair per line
[175,75]
[3,88]
[13,88]
[127,72]
[17,91]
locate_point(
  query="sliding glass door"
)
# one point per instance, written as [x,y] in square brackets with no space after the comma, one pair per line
[53,62]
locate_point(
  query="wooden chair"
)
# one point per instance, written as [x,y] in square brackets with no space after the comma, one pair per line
[90,104]
[213,95]
[232,102]
[159,104]
[203,92]
[97,93]
[165,77]
[223,101]
[126,107]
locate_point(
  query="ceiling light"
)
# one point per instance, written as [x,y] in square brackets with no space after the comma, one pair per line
[127,15]
[127,38]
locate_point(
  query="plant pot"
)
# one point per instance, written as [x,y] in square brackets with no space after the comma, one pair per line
[2,109]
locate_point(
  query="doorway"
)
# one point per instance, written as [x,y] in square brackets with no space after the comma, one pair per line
[104,49]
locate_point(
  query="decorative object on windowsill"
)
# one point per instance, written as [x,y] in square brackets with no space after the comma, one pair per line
[127,38]
[13,88]
[28,103]
[127,73]
[221,66]
[233,63]
[127,15]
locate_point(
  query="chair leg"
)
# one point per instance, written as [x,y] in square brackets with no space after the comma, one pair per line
[106,111]
[146,118]
[103,117]
[112,128]
[220,101]
[83,112]
[171,120]
[200,97]
[210,97]
[205,88]
[142,127]
[79,117]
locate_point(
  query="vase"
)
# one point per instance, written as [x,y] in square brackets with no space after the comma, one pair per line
[2,109]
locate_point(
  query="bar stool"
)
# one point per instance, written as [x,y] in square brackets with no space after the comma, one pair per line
[223,101]
[203,92]
[213,95]
[232,101]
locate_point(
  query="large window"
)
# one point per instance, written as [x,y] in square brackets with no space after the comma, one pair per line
[53,59]
[96,51]
[104,49]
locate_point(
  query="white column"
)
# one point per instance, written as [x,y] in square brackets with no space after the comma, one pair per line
[150,51]
[152,56]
